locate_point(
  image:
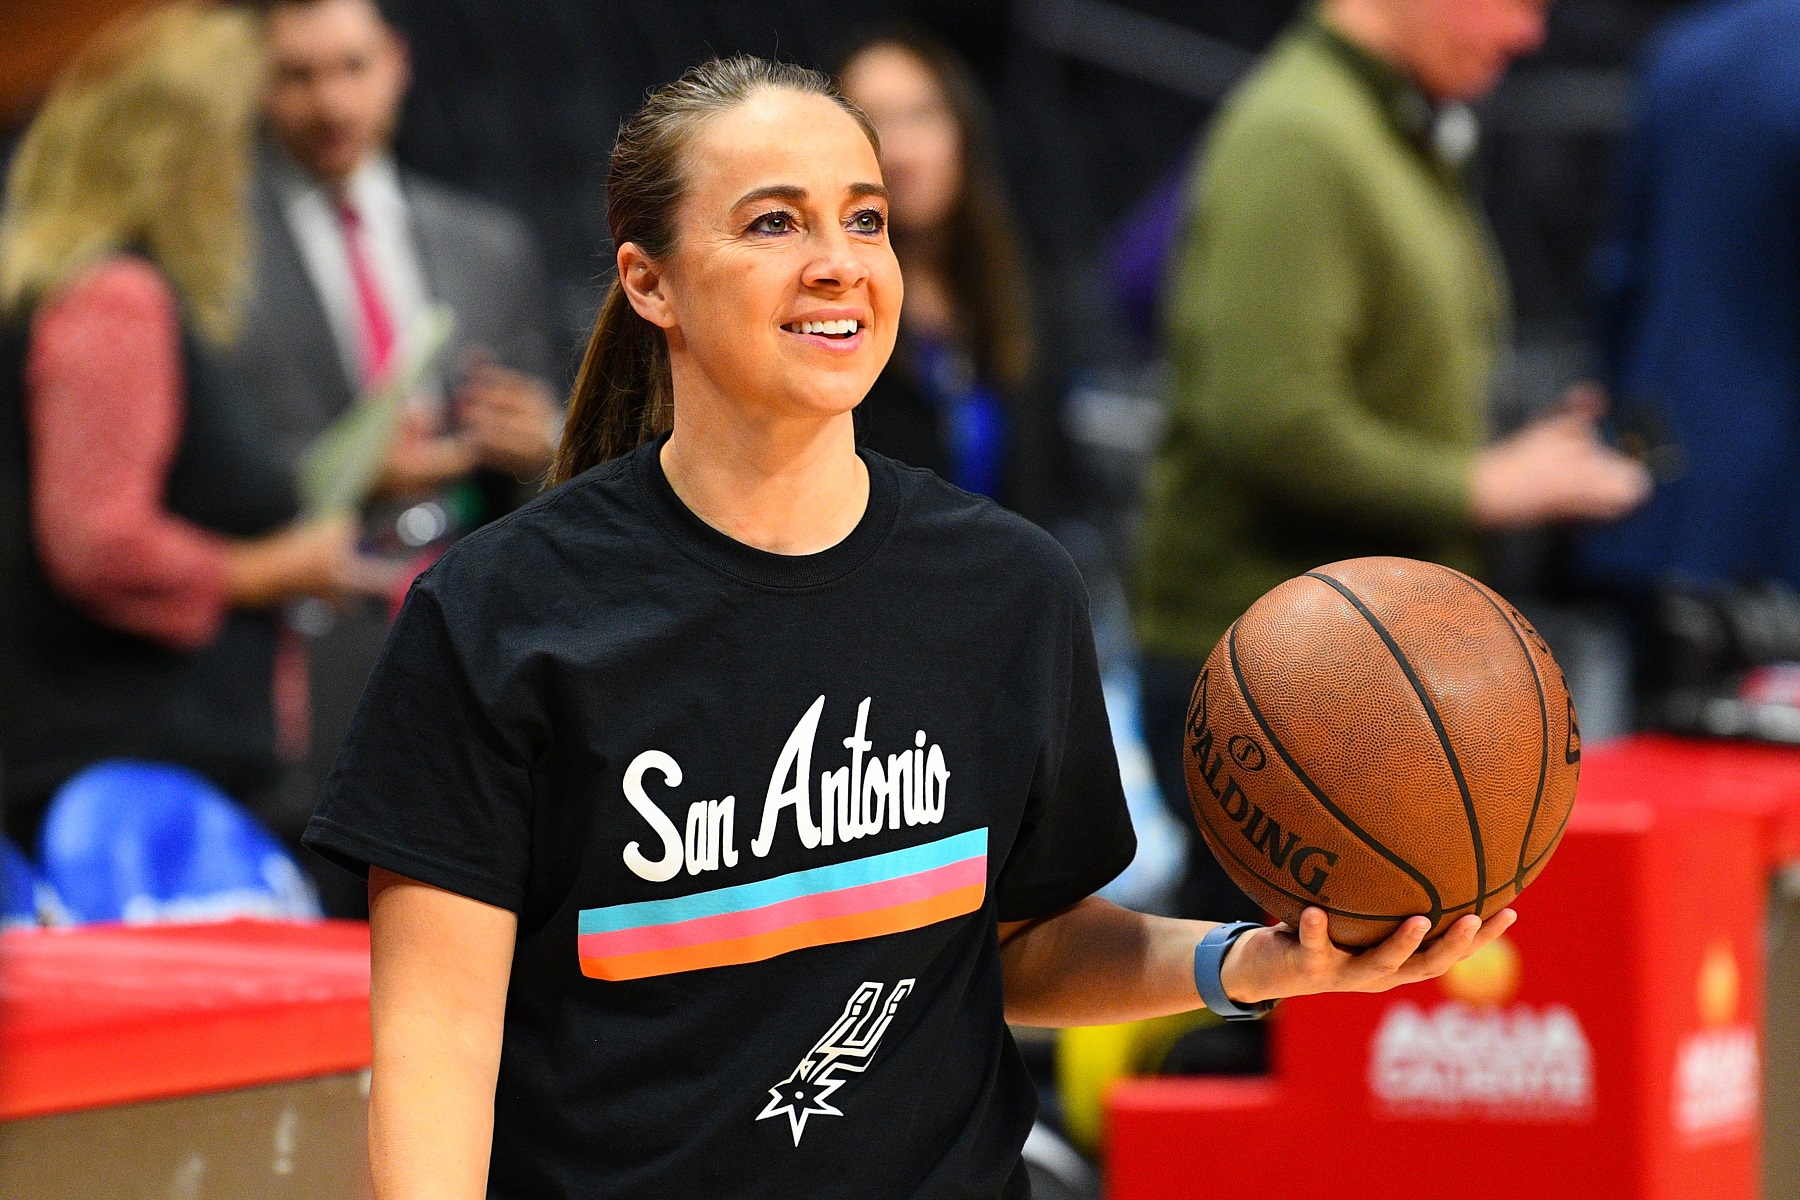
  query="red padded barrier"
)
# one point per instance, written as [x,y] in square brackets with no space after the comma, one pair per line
[105,1015]
[1613,1052]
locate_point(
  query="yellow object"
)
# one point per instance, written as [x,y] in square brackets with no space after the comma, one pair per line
[1090,1060]
[1719,985]
[1488,977]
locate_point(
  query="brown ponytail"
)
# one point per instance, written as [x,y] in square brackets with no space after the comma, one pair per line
[624,395]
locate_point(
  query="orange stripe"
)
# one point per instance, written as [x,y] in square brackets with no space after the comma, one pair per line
[851,927]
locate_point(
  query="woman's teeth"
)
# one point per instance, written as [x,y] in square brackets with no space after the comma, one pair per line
[828,328]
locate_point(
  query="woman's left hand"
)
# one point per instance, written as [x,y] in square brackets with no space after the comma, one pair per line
[1278,962]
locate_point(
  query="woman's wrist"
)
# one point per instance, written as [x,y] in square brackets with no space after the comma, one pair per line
[255,571]
[298,560]
[1241,974]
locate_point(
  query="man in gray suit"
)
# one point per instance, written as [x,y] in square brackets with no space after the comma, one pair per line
[350,252]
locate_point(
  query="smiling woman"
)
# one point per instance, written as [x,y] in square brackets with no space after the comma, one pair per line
[721,805]
[682,164]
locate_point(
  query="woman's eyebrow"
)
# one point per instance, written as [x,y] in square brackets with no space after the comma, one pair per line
[794,194]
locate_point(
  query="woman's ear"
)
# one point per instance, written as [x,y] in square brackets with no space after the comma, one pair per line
[645,285]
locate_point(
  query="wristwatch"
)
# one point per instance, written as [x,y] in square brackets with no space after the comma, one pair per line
[1209,961]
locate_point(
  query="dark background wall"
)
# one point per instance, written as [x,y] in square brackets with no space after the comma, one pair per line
[1098,102]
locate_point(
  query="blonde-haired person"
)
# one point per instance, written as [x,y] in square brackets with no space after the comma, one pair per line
[145,534]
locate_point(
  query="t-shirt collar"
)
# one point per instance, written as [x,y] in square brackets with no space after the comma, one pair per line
[760,567]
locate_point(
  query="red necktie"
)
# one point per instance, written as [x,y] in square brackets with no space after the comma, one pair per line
[375,329]
[375,325]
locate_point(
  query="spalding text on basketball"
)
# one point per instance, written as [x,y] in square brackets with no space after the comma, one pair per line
[1310,866]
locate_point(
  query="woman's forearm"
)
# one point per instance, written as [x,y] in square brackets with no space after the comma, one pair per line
[1098,964]
[431,1114]
[437,1002]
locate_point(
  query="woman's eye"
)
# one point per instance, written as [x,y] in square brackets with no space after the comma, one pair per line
[869,220]
[775,222]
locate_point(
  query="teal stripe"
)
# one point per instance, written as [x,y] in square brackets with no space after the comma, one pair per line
[876,869]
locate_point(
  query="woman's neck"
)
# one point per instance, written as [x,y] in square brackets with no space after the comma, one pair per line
[787,486]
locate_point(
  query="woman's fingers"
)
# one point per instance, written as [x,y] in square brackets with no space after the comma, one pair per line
[1468,936]
[1493,927]
[1312,962]
[1393,954]
[1315,931]
[1457,943]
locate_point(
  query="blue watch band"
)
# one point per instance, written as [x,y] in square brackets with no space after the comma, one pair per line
[1209,960]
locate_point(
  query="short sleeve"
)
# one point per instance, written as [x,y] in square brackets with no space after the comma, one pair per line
[1076,835]
[429,784]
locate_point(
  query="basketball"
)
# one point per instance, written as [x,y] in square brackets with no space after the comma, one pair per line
[1382,738]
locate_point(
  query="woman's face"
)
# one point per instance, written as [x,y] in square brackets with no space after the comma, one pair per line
[782,292]
[921,145]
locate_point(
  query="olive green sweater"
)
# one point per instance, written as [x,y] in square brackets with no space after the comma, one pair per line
[1335,316]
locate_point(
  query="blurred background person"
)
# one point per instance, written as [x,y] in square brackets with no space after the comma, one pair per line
[351,250]
[963,394]
[1335,320]
[146,527]
[1699,303]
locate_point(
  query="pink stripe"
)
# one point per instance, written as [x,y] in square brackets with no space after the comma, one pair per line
[867,897]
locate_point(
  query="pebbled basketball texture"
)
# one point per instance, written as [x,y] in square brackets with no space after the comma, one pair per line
[1382,738]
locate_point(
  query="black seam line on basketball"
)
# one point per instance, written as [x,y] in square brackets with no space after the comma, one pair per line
[1318,793]
[1306,898]
[1537,681]
[1525,868]
[1499,891]
[1551,844]
[1431,713]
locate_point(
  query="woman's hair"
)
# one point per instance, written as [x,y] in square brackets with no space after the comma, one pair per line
[624,395]
[143,144]
[984,264]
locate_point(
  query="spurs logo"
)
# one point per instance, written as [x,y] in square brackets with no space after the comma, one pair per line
[847,1048]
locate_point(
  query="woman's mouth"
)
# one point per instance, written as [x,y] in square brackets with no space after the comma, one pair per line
[841,335]
[836,330]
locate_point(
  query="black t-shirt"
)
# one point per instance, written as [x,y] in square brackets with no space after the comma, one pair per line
[758,816]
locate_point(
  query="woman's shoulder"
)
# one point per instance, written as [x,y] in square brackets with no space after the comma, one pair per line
[941,518]
[573,530]
[108,336]
[115,287]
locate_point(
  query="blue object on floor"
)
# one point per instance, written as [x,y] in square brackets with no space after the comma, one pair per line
[148,842]
[25,899]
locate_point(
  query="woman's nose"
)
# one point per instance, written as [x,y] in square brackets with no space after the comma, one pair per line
[835,264]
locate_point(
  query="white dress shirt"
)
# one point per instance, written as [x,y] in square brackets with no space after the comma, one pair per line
[311,211]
